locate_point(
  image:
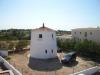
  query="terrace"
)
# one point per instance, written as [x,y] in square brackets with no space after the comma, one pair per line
[47,67]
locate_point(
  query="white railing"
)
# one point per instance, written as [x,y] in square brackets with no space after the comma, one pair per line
[9,66]
[89,71]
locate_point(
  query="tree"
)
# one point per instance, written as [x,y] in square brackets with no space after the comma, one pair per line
[84,47]
[59,43]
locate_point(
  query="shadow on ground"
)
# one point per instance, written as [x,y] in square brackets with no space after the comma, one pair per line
[44,65]
[72,64]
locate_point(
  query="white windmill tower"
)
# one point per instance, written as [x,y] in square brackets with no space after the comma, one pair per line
[43,43]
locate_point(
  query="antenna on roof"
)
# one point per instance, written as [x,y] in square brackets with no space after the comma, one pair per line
[43,25]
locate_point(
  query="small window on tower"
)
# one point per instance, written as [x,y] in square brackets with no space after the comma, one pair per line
[52,50]
[52,35]
[46,51]
[40,35]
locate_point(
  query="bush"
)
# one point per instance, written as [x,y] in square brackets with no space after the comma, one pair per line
[84,47]
[11,45]
[66,43]
[4,45]
[21,44]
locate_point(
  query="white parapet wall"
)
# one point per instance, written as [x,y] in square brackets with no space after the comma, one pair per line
[89,71]
[9,66]
[7,71]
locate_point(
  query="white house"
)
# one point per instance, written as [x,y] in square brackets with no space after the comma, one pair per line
[86,33]
[43,43]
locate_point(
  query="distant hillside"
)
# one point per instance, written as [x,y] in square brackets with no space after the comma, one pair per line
[62,32]
[22,34]
[15,34]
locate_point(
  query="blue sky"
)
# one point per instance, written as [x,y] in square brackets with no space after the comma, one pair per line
[56,14]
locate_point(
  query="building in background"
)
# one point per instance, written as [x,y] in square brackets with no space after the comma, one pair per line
[43,43]
[92,34]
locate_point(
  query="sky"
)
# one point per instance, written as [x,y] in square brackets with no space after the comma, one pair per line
[56,14]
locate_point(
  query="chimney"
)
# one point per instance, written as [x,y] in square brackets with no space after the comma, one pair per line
[43,25]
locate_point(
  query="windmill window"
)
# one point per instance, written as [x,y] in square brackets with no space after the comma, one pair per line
[46,51]
[52,35]
[40,35]
[52,50]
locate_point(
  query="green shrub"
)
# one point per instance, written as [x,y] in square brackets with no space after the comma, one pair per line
[84,47]
[3,45]
[22,44]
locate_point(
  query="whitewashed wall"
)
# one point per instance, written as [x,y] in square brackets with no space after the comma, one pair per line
[39,45]
[79,34]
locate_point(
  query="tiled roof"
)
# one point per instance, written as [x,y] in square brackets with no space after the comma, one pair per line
[43,29]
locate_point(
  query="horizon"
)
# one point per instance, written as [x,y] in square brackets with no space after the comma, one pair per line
[50,28]
[56,14]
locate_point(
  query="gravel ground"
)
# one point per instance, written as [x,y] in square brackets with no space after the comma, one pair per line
[47,67]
